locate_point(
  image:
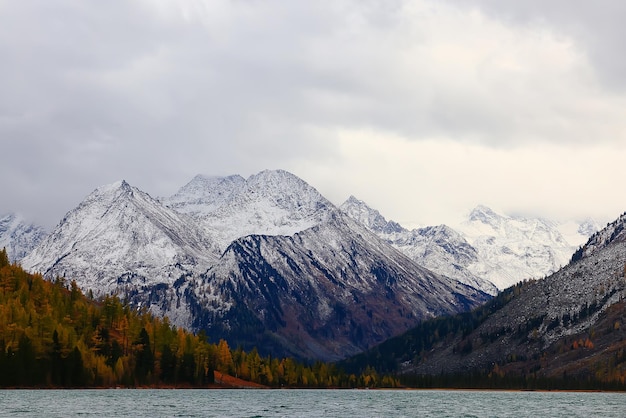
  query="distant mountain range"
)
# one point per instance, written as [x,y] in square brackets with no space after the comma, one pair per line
[269,262]
[568,325]
[488,251]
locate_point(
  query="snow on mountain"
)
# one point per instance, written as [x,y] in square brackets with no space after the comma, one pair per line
[577,233]
[513,248]
[204,194]
[613,232]
[438,248]
[326,292]
[121,236]
[297,275]
[272,202]
[18,236]
[536,326]
[369,217]
[488,251]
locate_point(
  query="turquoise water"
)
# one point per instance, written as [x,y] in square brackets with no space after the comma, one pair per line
[306,403]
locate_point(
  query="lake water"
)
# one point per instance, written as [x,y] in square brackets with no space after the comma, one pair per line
[306,403]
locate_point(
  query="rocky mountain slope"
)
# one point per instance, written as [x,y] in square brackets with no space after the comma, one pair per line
[569,324]
[18,236]
[264,261]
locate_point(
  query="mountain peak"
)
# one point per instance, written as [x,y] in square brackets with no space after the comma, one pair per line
[204,194]
[369,217]
[272,202]
[113,189]
[485,215]
[279,181]
[282,190]
[352,199]
[123,232]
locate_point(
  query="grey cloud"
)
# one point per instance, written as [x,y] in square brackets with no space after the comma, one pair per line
[597,25]
[97,91]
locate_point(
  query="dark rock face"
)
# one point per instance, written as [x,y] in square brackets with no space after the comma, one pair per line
[327,292]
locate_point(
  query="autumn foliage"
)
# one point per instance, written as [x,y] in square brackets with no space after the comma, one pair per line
[51,335]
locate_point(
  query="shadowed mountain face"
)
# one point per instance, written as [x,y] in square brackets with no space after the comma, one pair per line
[327,292]
[265,261]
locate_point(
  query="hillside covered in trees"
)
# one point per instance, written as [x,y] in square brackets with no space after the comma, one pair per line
[51,335]
[592,358]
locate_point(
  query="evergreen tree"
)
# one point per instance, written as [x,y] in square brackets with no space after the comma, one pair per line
[4,258]
[144,359]
[56,362]
[168,365]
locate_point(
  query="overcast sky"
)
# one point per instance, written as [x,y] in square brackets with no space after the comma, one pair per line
[423,109]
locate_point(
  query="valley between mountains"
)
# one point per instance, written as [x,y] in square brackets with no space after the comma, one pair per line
[269,262]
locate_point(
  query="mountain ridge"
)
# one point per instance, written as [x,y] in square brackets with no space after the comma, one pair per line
[488,250]
[272,202]
[119,231]
[295,247]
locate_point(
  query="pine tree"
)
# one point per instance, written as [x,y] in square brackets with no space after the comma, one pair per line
[144,358]
[168,365]
[56,361]
[4,258]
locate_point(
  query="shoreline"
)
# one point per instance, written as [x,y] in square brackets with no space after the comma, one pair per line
[225,387]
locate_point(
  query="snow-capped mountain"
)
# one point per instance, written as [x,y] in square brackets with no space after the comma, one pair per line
[272,202]
[120,236]
[567,324]
[326,292]
[18,236]
[203,194]
[296,276]
[488,251]
[438,248]
[371,218]
[577,233]
[513,248]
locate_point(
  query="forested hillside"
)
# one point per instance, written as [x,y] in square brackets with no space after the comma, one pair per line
[51,335]
[589,357]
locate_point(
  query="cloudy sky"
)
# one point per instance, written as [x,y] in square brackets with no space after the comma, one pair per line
[423,109]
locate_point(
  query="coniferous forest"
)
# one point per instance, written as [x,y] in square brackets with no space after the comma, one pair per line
[51,335]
